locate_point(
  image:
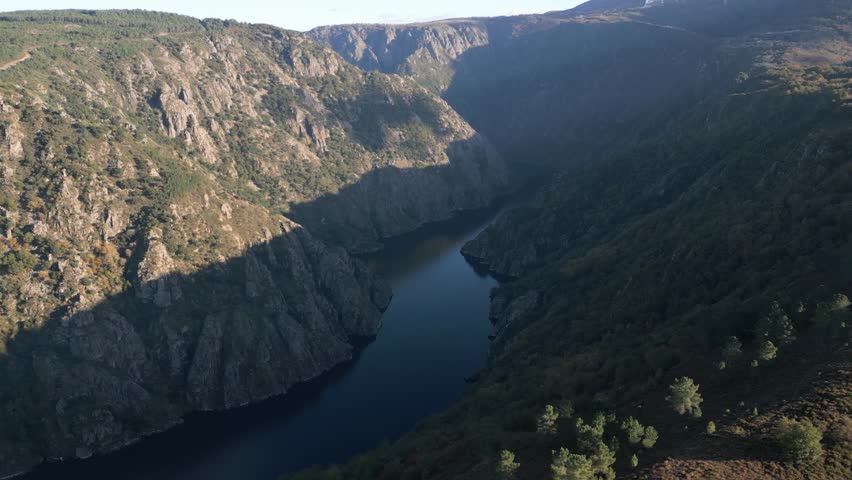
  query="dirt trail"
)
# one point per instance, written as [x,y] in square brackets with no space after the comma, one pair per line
[5,66]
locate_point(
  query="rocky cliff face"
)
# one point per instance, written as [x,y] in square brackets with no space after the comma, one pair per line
[105,373]
[426,51]
[151,263]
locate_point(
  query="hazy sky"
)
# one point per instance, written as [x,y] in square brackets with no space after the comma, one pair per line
[305,14]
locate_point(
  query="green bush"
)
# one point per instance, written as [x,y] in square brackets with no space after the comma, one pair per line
[279,102]
[838,301]
[800,441]
[650,437]
[18,262]
[180,182]
[767,351]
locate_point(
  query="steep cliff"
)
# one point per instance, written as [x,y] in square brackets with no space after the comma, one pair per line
[426,51]
[153,171]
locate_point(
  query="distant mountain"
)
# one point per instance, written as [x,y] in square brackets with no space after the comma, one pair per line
[541,85]
[573,81]
[601,5]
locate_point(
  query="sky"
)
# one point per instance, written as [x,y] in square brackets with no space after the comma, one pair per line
[306,14]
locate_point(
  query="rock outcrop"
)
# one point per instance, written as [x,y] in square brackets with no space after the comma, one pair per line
[424,51]
[226,336]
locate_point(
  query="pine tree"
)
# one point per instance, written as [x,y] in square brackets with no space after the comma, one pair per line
[633,429]
[507,466]
[685,397]
[571,466]
[546,422]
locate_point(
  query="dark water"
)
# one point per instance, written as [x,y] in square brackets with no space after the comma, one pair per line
[434,335]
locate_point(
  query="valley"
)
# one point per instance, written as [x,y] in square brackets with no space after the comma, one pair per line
[434,334]
[267,249]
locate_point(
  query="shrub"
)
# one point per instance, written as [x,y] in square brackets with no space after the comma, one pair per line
[9,201]
[634,461]
[838,302]
[181,182]
[649,439]
[685,397]
[279,102]
[841,432]
[800,441]
[767,351]
[507,466]
[711,427]
[17,262]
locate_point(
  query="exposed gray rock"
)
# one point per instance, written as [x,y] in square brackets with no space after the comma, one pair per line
[425,51]
[473,175]
[241,332]
[154,284]
[510,315]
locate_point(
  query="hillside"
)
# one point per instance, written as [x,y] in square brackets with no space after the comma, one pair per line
[581,80]
[156,174]
[699,229]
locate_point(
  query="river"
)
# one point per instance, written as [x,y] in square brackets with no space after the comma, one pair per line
[434,335]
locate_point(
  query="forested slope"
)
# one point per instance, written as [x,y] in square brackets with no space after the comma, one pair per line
[691,269]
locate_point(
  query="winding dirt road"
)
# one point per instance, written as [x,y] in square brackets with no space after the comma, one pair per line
[5,66]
